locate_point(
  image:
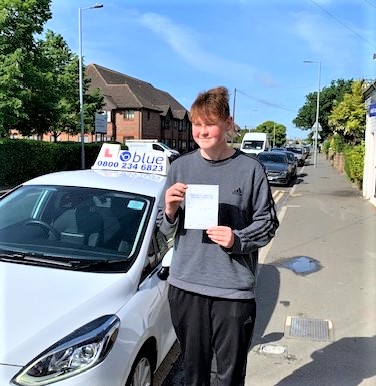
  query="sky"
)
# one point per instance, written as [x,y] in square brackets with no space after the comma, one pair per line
[254,48]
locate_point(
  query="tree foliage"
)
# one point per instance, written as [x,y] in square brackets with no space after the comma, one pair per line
[19,22]
[329,97]
[38,78]
[60,72]
[348,118]
[276,131]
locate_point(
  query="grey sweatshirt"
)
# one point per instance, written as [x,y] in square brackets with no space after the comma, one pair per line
[245,204]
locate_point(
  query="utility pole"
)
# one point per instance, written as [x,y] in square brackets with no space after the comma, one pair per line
[316,125]
[233,109]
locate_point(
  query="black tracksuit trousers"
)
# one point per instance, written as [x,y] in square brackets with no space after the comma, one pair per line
[208,328]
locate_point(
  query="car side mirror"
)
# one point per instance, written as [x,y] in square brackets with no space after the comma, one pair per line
[166,262]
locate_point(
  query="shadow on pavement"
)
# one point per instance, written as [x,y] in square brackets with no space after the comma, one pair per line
[346,362]
[267,290]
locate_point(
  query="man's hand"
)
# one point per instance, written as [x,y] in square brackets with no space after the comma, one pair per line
[221,235]
[174,196]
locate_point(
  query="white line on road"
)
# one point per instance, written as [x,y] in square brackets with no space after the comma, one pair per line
[277,196]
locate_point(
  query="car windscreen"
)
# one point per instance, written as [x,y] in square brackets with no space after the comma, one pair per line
[256,145]
[276,158]
[72,224]
[296,150]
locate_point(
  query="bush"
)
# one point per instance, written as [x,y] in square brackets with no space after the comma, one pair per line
[337,143]
[354,163]
[326,147]
[23,159]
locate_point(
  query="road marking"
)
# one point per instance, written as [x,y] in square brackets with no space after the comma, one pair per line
[265,250]
[277,195]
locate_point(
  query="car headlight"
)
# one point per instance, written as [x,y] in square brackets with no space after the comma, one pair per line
[77,352]
[283,174]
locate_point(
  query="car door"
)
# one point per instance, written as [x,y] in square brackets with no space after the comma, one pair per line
[158,248]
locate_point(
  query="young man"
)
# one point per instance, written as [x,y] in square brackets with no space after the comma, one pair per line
[213,272]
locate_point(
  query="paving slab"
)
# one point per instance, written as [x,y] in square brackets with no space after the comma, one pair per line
[316,321]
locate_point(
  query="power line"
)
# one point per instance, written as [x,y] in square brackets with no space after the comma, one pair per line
[373,5]
[344,25]
[264,102]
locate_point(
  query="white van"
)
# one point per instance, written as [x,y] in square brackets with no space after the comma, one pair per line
[255,143]
[146,145]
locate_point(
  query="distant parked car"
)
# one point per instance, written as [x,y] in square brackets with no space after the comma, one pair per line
[278,167]
[299,154]
[292,159]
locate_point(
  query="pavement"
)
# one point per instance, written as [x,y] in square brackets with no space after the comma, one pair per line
[316,292]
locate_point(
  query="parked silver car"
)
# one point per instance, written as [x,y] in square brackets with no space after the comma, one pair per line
[278,168]
[292,159]
[299,153]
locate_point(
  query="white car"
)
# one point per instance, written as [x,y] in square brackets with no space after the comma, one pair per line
[83,299]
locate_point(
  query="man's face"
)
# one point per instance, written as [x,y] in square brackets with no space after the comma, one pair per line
[209,133]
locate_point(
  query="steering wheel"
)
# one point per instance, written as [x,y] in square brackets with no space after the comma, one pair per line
[46,226]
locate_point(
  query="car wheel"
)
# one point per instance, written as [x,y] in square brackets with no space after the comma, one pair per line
[142,372]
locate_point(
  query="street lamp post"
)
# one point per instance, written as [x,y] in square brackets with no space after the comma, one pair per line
[81,81]
[316,132]
[250,119]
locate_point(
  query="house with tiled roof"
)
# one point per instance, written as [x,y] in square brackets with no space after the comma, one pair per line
[136,109]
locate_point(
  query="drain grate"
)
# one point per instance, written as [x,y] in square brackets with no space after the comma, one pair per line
[306,328]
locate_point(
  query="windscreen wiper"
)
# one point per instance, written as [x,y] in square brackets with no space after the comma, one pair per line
[95,264]
[58,261]
[37,258]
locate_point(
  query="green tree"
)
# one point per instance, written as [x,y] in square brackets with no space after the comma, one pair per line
[20,20]
[39,78]
[329,98]
[348,118]
[58,66]
[276,131]
[61,77]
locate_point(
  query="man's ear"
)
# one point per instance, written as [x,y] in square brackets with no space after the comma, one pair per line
[230,123]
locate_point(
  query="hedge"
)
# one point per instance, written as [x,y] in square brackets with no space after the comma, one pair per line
[22,159]
[354,163]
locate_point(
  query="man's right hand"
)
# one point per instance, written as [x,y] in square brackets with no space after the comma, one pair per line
[174,196]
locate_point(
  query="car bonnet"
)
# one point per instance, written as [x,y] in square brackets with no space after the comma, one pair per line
[41,305]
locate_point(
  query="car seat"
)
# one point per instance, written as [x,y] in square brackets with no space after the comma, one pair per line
[79,223]
[128,222]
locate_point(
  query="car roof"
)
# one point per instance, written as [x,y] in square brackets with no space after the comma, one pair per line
[283,152]
[140,183]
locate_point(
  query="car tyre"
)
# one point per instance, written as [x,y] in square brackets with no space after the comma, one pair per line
[142,372]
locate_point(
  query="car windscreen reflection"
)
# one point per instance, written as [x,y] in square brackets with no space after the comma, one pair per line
[78,224]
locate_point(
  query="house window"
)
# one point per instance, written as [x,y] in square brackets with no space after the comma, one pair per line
[128,114]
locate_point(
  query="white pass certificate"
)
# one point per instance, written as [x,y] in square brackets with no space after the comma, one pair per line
[201,206]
